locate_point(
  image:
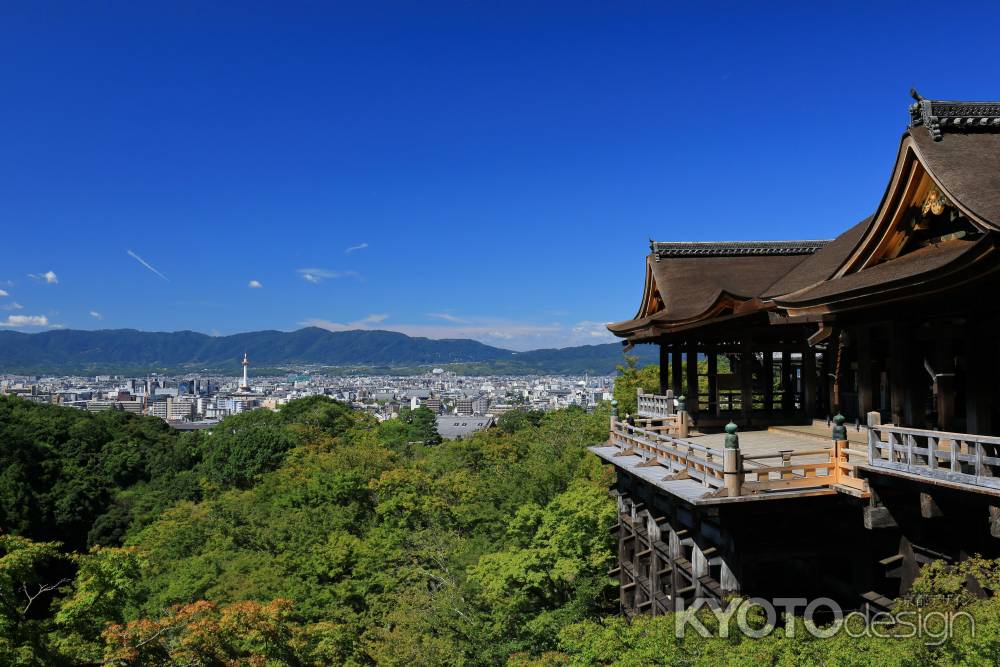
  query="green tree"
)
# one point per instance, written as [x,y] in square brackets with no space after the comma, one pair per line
[554,571]
[630,379]
[244,446]
[27,587]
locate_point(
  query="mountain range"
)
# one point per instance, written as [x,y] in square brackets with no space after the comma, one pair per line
[130,351]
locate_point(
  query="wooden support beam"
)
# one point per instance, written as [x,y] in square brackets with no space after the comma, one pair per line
[863,336]
[944,369]
[691,390]
[898,359]
[746,378]
[994,521]
[767,379]
[876,518]
[786,381]
[823,388]
[675,368]
[664,367]
[836,353]
[809,381]
[981,366]
[929,508]
[916,390]
[713,379]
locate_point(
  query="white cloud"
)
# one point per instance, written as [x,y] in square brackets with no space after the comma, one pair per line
[96,315]
[448,317]
[589,332]
[49,277]
[510,334]
[146,264]
[14,305]
[25,321]
[4,293]
[354,248]
[255,284]
[366,322]
[316,276]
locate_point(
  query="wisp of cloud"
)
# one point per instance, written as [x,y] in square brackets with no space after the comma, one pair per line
[146,264]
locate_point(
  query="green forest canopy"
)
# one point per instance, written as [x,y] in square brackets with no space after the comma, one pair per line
[317,536]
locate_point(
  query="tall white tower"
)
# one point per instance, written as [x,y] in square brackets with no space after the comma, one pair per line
[246,382]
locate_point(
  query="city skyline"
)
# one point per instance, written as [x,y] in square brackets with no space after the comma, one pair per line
[461,172]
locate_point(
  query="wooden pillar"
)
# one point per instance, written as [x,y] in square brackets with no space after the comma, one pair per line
[915,392]
[746,378]
[664,367]
[898,359]
[787,385]
[835,351]
[675,368]
[768,380]
[865,381]
[692,376]
[980,363]
[824,380]
[713,378]
[944,368]
[808,381]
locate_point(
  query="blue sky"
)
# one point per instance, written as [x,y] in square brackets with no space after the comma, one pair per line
[467,169]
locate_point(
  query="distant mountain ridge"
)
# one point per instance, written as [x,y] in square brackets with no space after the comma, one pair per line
[110,350]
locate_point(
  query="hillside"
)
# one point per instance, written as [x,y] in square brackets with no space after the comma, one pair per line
[129,350]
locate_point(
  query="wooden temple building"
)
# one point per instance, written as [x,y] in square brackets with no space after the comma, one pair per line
[891,326]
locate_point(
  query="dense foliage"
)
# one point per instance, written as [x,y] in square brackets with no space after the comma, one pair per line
[313,535]
[316,536]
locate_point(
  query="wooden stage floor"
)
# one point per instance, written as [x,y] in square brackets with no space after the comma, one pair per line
[759,449]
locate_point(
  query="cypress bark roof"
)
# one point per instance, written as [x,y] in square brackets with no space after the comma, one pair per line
[691,286]
[900,272]
[954,146]
[822,265]
[968,168]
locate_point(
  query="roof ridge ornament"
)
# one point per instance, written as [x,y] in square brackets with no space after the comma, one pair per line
[939,116]
[661,249]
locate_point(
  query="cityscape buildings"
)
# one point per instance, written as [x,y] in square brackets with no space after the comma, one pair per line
[200,401]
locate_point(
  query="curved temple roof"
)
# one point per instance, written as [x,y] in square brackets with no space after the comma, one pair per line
[952,148]
[687,282]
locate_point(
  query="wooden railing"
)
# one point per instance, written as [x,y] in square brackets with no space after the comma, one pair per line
[653,406]
[735,475]
[959,458]
[953,457]
[682,457]
[791,471]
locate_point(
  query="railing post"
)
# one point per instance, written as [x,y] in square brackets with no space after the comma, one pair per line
[682,418]
[874,419]
[786,462]
[731,464]
[839,433]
